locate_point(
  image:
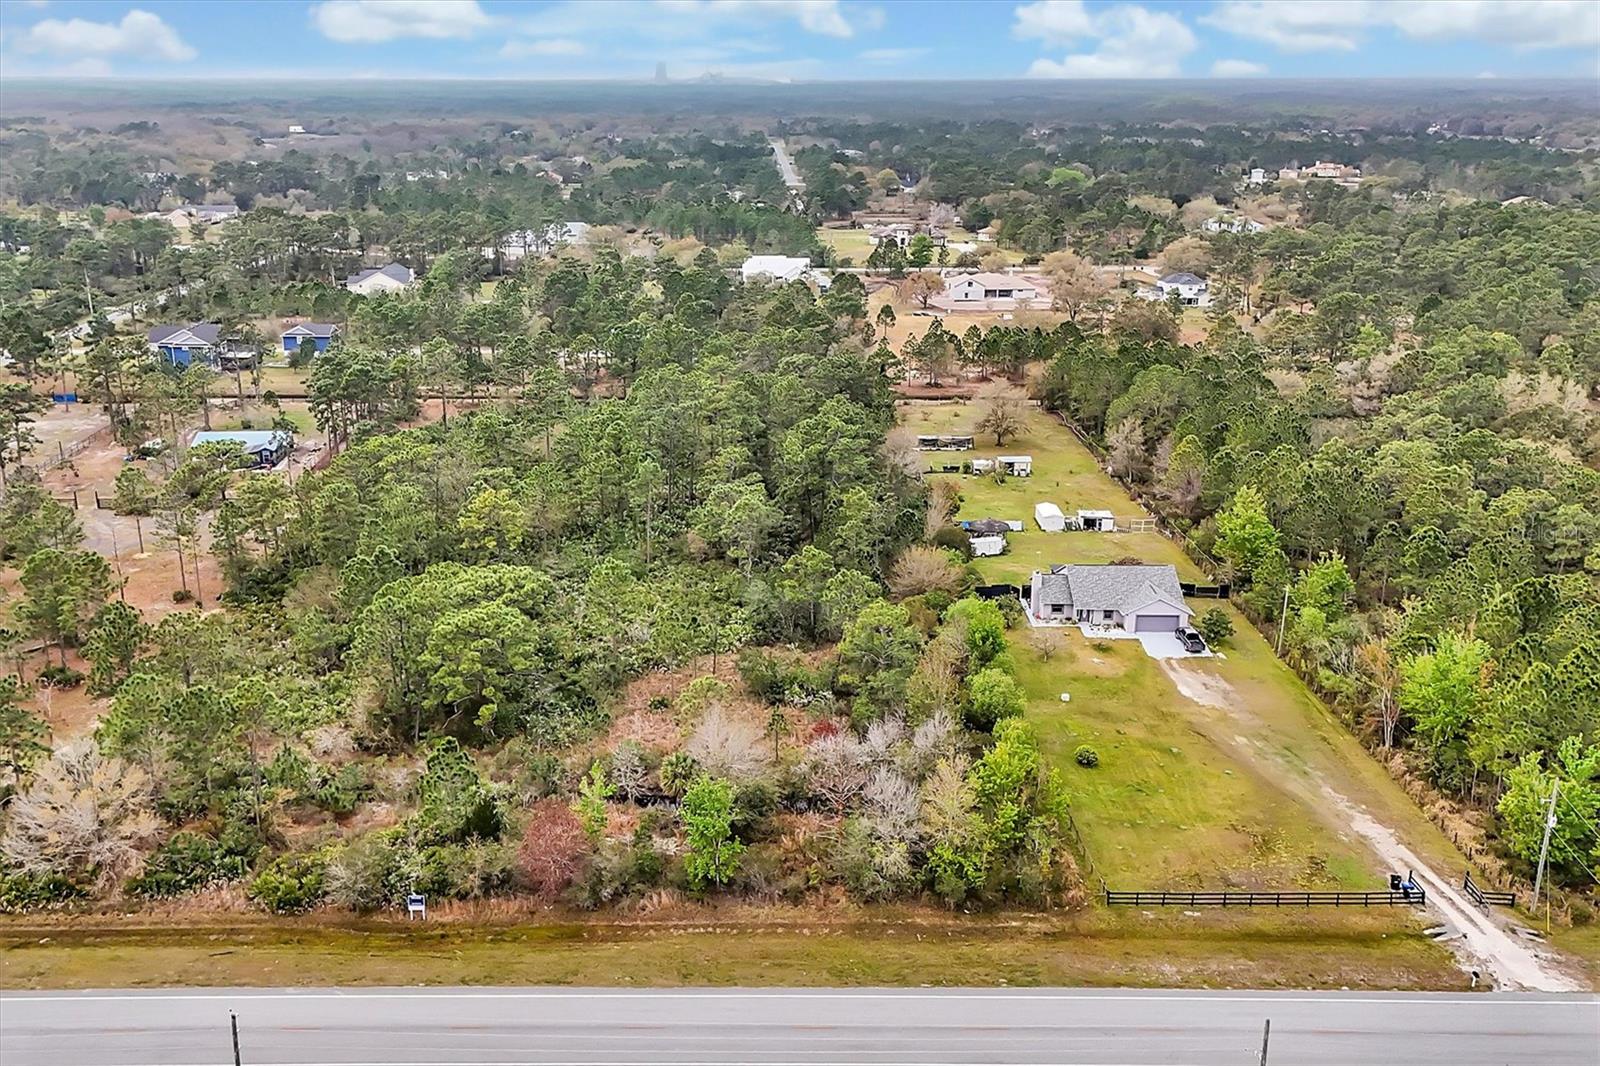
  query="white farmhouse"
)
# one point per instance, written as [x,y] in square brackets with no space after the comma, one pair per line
[391,277]
[1191,290]
[774,268]
[986,291]
[1229,224]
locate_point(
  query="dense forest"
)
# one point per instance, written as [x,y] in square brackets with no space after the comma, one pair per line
[1413,463]
[420,682]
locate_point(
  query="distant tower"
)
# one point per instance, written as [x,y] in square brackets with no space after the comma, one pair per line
[661,74]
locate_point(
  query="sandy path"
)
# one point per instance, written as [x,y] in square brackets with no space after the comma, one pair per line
[1485,943]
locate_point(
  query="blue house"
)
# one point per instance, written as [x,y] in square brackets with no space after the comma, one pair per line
[320,334]
[265,448]
[182,345]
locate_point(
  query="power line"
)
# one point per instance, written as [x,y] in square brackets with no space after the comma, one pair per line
[1575,857]
[1572,808]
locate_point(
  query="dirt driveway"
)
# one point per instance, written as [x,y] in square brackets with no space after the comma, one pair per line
[1485,942]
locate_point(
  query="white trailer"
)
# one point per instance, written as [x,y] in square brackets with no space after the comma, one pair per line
[983,546]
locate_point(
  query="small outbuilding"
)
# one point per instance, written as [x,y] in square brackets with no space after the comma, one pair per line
[1097,521]
[1049,517]
[265,448]
[1016,465]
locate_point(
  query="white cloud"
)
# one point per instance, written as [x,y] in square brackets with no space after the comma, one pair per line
[1237,68]
[1130,41]
[1057,22]
[375,21]
[139,34]
[890,55]
[550,46]
[823,17]
[1341,25]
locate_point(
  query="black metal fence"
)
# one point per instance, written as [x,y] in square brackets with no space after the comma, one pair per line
[1404,897]
[997,592]
[1484,898]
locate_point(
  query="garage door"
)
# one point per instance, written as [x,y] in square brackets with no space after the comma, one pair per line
[1155,623]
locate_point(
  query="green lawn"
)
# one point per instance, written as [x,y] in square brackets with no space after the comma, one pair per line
[260,416]
[1223,789]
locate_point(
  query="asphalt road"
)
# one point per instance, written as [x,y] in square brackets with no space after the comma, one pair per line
[865,1027]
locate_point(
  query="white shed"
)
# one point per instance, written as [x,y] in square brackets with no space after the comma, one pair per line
[1016,465]
[1097,521]
[1049,517]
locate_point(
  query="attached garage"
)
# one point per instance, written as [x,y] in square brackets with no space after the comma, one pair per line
[1155,623]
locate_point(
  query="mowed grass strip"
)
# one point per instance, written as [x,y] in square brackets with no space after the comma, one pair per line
[1124,949]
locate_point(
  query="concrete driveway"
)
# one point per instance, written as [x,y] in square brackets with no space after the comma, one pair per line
[1167,646]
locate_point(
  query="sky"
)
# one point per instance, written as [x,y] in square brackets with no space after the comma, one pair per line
[801,39]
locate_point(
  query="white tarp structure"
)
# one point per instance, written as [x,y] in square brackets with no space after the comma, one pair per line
[1049,517]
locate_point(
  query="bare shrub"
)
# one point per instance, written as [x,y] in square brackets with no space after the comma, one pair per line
[934,739]
[922,569]
[553,850]
[883,740]
[837,765]
[83,816]
[892,806]
[726,745]
[630,772]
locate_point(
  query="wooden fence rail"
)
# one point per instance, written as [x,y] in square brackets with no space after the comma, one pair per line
[1484,898]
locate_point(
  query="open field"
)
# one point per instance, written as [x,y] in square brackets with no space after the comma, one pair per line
[1124,949]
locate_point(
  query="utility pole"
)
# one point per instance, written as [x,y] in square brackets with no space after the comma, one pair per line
[1544,848]
[1266,1034]
[233,1020]
[1283,619]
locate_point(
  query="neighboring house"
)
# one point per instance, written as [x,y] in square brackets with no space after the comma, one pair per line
[202,214]
[1338,173]
[318,334]
[182,345]
[774,268]
[1226,224]
[985,291]
[1190,289]
[1137,598]
[902,233]
[265,447]
[523,243]
[391,277]
[1258,176]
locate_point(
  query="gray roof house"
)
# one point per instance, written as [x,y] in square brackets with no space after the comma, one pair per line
[387,278]
[1138,598]
[198,334]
